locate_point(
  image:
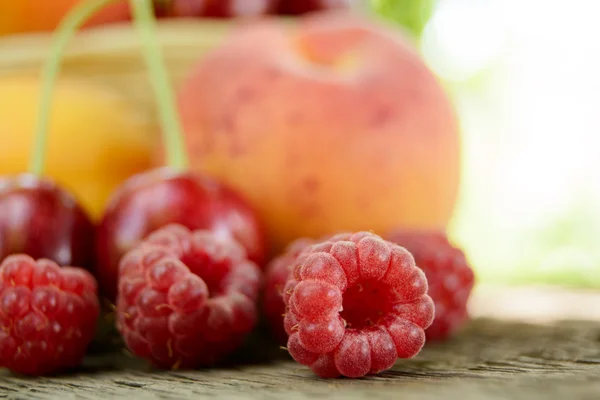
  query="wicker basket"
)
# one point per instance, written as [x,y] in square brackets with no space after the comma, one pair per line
[112,54]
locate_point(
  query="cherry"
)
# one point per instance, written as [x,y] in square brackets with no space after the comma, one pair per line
[151,200]
[297,7]
[215,8]
[148,201]
[37,216]
[43,220]
[228,9]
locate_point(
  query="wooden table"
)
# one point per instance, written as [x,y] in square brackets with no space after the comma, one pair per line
[555,355]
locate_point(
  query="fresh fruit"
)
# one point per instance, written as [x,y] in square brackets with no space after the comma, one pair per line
[450,278]
[39,218]
[217,8]
[333,125]
[159,197]
[186,299]
[97,136]
[22,16]
[47,315]
[277,273]
[149,201]
[296,7]
[355,303]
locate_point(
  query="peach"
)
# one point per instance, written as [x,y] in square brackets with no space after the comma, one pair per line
[333,124]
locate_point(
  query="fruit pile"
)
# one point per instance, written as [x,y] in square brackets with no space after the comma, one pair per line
[243,8]
[189,259]
[21,16]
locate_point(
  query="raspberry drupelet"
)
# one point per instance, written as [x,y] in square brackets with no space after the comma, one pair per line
[450,278]
[277,273]
[355,303]
[48,315]
[186,298]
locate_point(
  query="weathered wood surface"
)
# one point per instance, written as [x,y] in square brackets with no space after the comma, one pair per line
[490,359]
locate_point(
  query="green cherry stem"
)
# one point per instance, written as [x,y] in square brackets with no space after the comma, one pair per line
[67,28]
[145,23]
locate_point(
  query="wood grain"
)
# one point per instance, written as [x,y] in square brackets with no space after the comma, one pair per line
[490,359]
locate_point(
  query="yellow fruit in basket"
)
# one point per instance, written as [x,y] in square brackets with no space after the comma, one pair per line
[97,137]
[19,16]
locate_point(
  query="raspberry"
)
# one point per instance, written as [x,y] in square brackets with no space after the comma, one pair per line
[355,303]
[186,298]
[47,315]
[276,276]
[450,278]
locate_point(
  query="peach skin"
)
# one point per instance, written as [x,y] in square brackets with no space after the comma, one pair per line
[333,124]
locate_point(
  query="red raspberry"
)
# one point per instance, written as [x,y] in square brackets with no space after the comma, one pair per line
[186,299]
[277,273]
[450,278]
[47,315]
[355,303]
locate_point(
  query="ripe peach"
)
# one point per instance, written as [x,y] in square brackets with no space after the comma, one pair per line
[335,124]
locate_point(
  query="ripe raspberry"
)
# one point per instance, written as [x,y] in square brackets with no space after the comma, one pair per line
[277,273]
[355,303]
[47,315]
[450,278]
[186,299]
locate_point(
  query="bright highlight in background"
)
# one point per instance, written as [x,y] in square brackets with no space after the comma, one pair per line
[463,37]
[526,79]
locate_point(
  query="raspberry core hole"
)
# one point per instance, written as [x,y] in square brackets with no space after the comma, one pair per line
[213,273]
[366,303]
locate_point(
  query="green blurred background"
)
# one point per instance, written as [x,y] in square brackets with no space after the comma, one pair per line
[524,78]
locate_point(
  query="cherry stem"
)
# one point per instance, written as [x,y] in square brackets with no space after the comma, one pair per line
[145,22]
[67,28]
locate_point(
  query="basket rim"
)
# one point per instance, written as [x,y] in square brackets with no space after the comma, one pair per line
[31,48]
